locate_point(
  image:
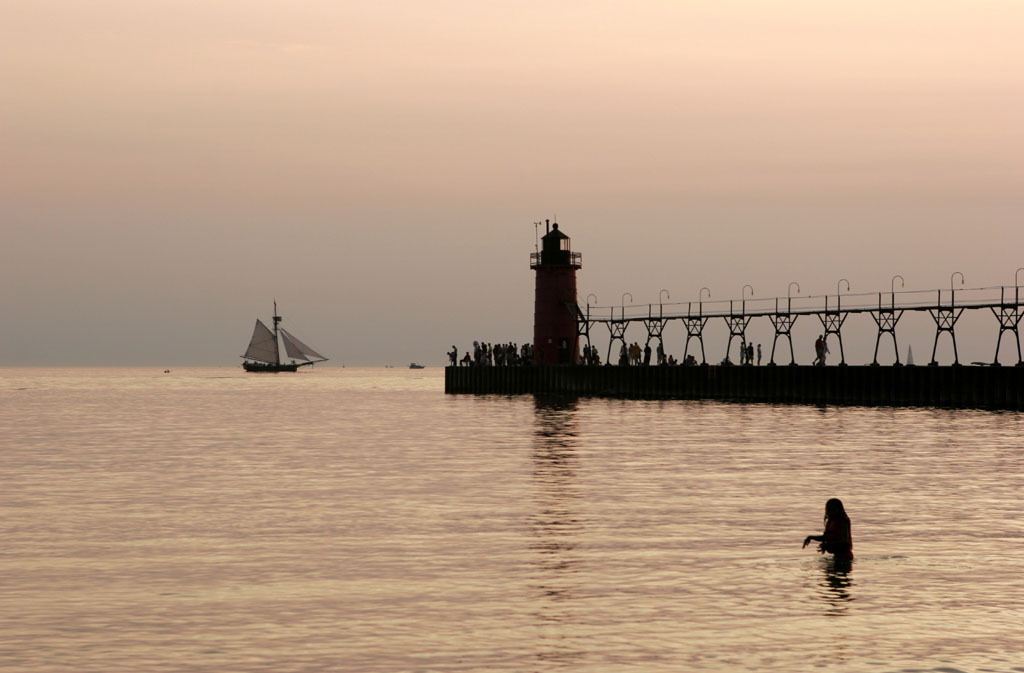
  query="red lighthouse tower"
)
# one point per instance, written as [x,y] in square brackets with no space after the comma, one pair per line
[555,338]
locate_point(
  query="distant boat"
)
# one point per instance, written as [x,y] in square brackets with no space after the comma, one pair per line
[413,365]
[264,354]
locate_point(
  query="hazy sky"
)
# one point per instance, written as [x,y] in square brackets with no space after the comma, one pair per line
[168,168]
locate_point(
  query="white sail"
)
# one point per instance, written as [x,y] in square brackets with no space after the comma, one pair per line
[293,349]
[263,345]
[297,349]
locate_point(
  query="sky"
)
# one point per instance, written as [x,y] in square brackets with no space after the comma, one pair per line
[169,169]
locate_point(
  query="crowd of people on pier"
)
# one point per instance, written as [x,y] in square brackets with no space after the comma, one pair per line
[509,354]
[633,355]
[492,355]
[747,354]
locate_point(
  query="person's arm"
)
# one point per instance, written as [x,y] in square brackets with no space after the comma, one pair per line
[816,538]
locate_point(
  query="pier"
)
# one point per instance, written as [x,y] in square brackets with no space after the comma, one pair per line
[560,366]
[864,385]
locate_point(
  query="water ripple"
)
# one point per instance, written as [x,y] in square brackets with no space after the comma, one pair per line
[360,520]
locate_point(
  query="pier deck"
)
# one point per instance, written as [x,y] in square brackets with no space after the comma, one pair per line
[938,386]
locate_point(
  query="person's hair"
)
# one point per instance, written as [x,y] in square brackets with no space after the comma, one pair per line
[834,509]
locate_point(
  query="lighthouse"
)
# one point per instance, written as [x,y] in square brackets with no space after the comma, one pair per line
[555,338]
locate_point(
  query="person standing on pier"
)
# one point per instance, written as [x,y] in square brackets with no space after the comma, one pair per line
[758,355]
[818,346]
[836,539]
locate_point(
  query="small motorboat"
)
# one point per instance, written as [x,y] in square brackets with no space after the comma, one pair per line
[413,365]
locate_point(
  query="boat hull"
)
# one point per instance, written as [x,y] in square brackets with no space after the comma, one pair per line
[270,368]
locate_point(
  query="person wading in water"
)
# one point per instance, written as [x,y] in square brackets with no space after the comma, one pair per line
[836,539]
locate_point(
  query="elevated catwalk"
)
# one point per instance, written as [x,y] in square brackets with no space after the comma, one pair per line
[831,311]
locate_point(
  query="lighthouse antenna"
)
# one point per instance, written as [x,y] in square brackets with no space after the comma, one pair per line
[536,237]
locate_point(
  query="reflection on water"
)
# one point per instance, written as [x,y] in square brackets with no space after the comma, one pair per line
[555,527]
[835,590]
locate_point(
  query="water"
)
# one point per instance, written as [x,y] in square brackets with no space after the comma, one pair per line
[360,520]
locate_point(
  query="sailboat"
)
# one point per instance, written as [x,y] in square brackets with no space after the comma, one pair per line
[264,354]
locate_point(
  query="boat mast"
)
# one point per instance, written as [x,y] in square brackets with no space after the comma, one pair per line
[277,349]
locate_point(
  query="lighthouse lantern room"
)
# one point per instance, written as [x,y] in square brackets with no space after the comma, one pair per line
[555,338]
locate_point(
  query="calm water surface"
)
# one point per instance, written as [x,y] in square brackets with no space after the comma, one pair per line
[361,520]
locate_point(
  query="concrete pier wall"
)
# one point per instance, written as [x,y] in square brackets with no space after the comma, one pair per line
[958,387]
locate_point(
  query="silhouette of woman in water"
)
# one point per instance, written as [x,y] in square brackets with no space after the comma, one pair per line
[836,539]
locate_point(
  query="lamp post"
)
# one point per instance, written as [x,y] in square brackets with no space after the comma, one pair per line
[789,298]
[1016,300]
[588,354]
[701,300]
[951,290]
[839,285]
[892,288]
